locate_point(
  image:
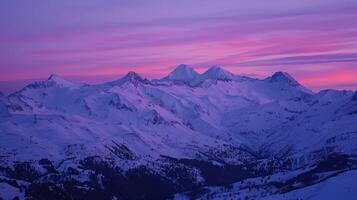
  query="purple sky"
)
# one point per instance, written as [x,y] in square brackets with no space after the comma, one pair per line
[94,41]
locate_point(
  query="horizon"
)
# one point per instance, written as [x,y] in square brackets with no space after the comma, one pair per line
[315,42]
[100,81]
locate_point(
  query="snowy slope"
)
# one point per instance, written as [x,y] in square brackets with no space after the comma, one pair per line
[341,186]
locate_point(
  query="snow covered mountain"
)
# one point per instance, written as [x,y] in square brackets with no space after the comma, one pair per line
[188,135]
[183,73]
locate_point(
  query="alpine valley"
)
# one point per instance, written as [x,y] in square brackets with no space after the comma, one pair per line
[214,135]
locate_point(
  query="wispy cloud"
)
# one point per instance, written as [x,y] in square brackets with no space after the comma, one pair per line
[302,60]
[109,39]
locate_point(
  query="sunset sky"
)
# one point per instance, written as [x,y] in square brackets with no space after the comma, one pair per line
[99,40]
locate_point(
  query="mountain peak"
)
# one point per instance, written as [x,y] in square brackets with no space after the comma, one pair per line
[182,67]
[182,73]
[54,77]
[60,81]
[218,73]
[283,77]
[216,69]
[132,76]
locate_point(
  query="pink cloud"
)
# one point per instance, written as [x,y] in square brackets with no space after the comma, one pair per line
[253,45]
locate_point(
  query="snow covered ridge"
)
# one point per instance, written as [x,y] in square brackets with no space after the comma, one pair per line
[183,136]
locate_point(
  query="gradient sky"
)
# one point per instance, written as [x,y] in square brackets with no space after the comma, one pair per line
[98,40]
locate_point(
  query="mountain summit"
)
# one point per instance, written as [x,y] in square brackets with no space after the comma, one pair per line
[286,82]
[185,74]
[130,77]
[216,72]
[60,81]
[283,77]
[182,73]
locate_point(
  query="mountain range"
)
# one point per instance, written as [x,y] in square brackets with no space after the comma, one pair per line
[214,135]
